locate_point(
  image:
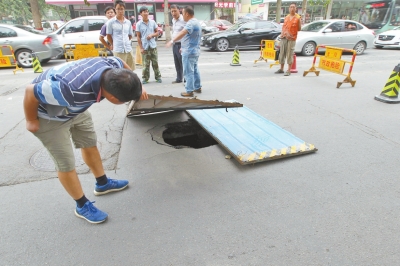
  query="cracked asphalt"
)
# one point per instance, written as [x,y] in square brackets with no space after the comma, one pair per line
[338,206]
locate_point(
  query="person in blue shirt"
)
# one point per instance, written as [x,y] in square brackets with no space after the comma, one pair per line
[119,34]
[55,107]
[190,47]
[146,32]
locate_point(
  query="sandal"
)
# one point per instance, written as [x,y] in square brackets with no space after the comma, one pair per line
[280,71]
[287,73]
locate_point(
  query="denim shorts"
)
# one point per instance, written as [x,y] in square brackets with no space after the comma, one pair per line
[56,137]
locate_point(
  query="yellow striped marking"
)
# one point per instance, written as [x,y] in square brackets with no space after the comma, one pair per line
[311,147]
[262,155]
[283,151]
[293,149]
[251,157]
[303,147]
[272,154]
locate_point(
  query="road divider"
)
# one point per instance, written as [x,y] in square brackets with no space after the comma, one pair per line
[84,50]
[7,58]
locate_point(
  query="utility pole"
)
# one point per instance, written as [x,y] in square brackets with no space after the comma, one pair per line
[166,22]
[236,10]
[37,18]
[303,12]
[278,11]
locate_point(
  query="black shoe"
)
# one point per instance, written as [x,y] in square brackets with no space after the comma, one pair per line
[175,81]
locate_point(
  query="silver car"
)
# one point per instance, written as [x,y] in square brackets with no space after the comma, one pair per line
[25,40]
[333,32]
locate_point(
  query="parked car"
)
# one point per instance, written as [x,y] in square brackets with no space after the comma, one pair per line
[81,30]
[245,35]
[220,24]
[24,40]
[48,26]
[333,32]
[207,27]
[390,38]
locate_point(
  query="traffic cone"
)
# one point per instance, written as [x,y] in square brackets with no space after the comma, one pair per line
[293,69]
[138,60]
[390,93]
[235,59]
[37,68]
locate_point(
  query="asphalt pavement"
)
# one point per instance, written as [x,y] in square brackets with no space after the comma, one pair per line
[338,206]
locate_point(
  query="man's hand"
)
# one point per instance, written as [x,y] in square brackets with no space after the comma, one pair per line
[144,95]
[32,125]
[169,44]
[150,36]
[142,51]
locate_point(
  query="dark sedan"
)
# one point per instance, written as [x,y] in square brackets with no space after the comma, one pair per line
[245,35]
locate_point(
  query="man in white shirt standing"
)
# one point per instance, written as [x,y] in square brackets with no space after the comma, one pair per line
[177,25]
[119,35]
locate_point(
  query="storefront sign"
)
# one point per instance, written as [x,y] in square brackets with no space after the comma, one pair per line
[225,4]
[256,2]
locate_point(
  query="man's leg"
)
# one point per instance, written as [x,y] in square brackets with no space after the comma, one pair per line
[154,63]
[188,72]
[70,182]
[178,62]
[196,75]
[282,53]
[85,138]
[146,66]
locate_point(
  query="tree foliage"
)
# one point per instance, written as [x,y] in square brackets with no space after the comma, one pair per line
[21,12]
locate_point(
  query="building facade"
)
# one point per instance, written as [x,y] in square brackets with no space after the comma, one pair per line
[203,8]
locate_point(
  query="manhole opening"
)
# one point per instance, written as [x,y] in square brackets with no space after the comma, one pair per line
[187,134]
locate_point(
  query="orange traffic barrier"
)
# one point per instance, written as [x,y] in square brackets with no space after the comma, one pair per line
[268,52]
[84,50]
[293,69]
[7,58]
[332,61]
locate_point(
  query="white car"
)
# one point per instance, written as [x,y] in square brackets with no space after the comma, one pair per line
[333,32]
[81,30]
[390,38]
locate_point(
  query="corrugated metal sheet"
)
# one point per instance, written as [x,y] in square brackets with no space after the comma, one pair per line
[249,137]
[157,104]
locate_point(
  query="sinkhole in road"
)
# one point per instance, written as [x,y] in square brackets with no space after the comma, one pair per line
[187,134]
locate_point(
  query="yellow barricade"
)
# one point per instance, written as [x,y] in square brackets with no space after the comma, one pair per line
[84,50]
[268,52]
[332,61]
[7,58]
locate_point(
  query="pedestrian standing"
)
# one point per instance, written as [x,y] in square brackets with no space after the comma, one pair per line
[119,35]
[146,32]
[291,25]
[110,13]
[177,26]
[190,46]
[55,106]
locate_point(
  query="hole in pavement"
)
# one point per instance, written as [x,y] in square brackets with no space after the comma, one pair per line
[187,134]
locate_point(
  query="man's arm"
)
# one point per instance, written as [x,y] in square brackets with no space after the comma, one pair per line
[110,39]
[299,28]
[31,105]
[144,93]
[178,37]
[109,32]
[139,41]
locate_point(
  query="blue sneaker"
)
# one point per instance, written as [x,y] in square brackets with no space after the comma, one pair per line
[111,186]
[90,213]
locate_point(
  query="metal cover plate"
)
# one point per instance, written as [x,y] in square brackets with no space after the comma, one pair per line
[249,137]
[157,104]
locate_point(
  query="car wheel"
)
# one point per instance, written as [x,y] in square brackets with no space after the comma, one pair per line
[308,49]
[222,45]
[24,58]
[359,48]
[378,47]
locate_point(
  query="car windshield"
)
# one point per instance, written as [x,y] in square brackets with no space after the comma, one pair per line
[236,26]
[26,28]
[315,26]
[207,23]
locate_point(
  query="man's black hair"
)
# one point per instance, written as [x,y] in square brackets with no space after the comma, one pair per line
[108,8]
[174,6]
[123,84]
[293,3]
[119,2]
[189,10]
[143,8]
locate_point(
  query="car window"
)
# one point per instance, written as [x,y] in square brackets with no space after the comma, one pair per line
[350,26]
[315,26]
[336,27]
[26,28]
[46,25]
[265,25]
[249,26]
[6,32]
[75,26]
[226,23]
[95,24]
